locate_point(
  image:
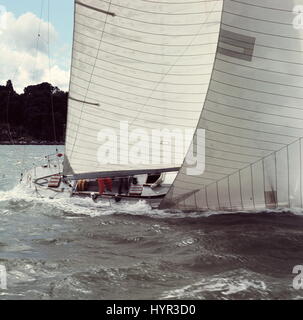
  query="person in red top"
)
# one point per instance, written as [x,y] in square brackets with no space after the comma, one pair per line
[103,184]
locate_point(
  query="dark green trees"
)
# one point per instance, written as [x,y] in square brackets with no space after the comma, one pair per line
[39,114]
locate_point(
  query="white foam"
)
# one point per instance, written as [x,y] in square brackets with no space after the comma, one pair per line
[77,205]
[225,285]
[85,206]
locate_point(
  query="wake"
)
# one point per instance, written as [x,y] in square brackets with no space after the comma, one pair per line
[77,206]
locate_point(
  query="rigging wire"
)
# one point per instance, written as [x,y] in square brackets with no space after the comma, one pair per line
[34,78]
[10,135]
[38,40]
[49,66]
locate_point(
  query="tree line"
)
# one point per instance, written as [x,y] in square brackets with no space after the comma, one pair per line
[38,115]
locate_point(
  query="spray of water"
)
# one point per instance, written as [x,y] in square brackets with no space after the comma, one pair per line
[86,207]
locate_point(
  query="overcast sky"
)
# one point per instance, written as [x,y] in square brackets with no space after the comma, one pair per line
[24,55]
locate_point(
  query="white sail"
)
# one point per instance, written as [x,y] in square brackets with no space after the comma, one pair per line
[253,113]
[140,62]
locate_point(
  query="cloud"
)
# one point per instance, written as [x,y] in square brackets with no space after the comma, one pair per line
[24,52]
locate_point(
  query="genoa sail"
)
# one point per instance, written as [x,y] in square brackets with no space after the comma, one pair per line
[145,65]
[252,114]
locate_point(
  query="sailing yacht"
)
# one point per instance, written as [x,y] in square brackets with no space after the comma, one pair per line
[232,68]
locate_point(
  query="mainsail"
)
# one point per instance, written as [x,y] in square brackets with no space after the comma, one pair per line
[141,62]
[252,115]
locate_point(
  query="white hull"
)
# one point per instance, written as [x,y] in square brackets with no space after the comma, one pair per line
[40,181]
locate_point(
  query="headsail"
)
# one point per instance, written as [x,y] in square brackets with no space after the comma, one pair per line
[147,63]
[253,113]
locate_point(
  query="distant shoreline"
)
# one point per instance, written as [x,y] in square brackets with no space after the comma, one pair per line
[42,143]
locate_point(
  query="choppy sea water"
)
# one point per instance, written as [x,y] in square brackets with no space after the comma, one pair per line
[75,249]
